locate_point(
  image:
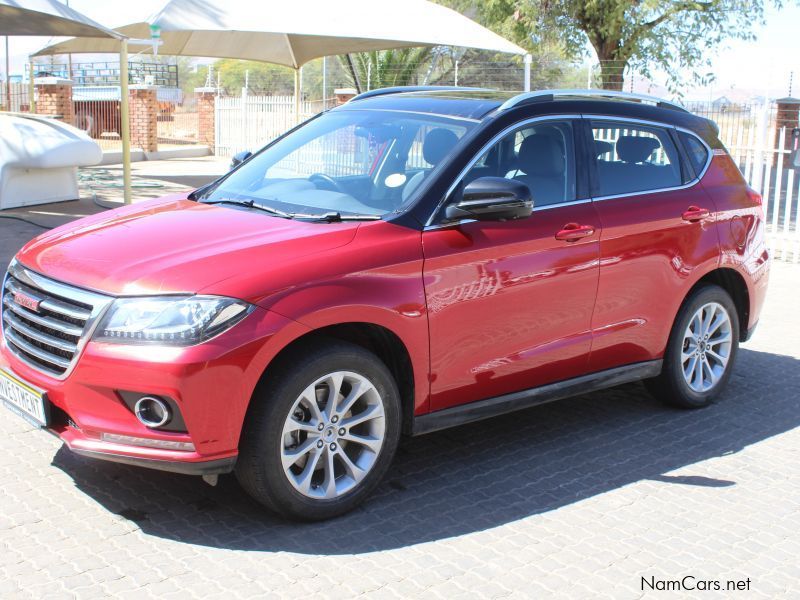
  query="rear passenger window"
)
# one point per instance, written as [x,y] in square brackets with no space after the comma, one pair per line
[634,158]
[540,155]
[696,150]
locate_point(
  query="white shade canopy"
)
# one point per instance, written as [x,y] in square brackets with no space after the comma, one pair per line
[293,33]
[50,17]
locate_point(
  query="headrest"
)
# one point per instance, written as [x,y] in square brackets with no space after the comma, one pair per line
[601,147]
[541,155]
[438,144]
[635,149]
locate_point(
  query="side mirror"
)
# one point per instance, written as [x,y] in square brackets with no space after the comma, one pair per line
[240,158]
[492,199]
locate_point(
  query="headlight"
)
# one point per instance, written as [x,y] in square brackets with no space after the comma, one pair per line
[169,320]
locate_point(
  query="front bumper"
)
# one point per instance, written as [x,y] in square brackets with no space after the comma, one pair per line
[211,384]
[206,467]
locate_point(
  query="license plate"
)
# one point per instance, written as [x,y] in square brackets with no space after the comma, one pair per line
[23,398]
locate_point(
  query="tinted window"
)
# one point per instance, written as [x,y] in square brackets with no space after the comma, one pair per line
[697,152]
[634,158]
[541,155]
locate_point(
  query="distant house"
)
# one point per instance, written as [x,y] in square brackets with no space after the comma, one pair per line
[721,103]
[724,104]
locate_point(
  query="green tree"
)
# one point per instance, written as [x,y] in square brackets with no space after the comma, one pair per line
[260,77]
[264,78]
[387,68]
[674,36]
[553,62]
[190,74]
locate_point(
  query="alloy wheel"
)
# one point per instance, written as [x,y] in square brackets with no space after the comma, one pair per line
[706,347]
[332,435]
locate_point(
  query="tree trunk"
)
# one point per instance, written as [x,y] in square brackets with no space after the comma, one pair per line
[612,74]
[612,57]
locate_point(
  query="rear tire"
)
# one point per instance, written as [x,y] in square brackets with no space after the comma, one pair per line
[321,432]
[701,350]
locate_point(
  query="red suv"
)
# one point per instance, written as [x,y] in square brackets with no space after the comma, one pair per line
[412,260]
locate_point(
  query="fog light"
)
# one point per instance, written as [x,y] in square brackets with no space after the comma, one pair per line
[152,412]
[147,442]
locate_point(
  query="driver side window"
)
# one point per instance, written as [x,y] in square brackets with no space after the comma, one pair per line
[540,155]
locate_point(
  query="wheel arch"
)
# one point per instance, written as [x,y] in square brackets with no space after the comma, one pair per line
[735,285]
[378,339]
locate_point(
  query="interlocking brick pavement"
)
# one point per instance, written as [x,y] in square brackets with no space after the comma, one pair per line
[577,499]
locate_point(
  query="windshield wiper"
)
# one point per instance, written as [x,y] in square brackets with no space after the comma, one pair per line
[329,217]
[253,204]
[336,217]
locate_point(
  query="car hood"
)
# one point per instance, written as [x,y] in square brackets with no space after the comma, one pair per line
[174,245]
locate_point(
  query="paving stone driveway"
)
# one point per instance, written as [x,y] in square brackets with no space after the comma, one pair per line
[578,499]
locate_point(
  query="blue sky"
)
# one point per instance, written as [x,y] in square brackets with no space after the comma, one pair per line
[751,67]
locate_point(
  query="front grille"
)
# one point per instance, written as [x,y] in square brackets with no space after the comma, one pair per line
[50,332]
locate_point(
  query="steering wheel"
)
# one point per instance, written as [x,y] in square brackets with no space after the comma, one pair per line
[326,182]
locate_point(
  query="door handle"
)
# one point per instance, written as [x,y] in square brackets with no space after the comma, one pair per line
[695,213]
[572,232]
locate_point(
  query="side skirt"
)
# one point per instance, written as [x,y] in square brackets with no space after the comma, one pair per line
[499,405]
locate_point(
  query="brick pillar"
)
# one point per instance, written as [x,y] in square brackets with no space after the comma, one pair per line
[54,97]
[144,117]
[788,116]
[344,95]
[206,116]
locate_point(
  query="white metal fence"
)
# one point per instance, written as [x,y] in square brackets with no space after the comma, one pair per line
[763,152]
[14,96]
[248,122]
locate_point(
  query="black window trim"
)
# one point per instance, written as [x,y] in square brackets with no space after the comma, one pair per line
[592,163]
[432,222]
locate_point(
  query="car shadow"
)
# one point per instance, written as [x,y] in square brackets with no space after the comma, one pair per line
[473,477]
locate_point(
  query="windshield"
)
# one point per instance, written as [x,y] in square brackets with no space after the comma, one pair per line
[350,162]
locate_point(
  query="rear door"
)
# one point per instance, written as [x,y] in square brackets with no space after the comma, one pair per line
[510,303]
[658,234]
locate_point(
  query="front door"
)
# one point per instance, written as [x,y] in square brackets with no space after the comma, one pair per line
[510,303]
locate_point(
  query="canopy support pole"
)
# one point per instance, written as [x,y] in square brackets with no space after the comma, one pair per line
[324,82]
[297,96]
[8,78]
[527,60]
[125,125]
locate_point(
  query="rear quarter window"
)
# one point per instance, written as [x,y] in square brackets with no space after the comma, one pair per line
[696,151]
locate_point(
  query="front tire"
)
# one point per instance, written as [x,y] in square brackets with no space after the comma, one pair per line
[321,433]
[701,350]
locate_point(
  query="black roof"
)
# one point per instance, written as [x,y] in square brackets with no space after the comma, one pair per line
[477,104]
[452,102]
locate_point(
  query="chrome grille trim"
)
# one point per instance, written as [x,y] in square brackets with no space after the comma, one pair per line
[53,324]
[51,342]
[42,355]
[18,325]
[52,304]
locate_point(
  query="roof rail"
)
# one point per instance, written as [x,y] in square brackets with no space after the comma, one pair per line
[545,95]
[415,88]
